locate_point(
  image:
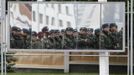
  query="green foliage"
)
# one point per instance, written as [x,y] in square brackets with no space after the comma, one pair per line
[10,62]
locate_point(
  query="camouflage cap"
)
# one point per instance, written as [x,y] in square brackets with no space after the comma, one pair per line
[113,25]
[97,30]
[34,33]
[52,31]
[90,29]
[45,29]
[106,25]
[15,28]
[83,29]
[25,31]
[69,29]
[62,30]
[57,31]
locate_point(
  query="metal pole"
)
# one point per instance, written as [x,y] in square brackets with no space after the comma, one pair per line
[131,61]
[128,41]
[103,61]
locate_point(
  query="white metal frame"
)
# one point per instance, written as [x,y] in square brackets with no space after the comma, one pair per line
[130,45]
[67,50]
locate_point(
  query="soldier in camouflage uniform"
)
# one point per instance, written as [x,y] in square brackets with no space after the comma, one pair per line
[90,38]
[16,38]
[114,36]
[96,38]
[105,39]
[26,38]
[36,43]
[69,41]
[57,39]
[84,41]
[120,38]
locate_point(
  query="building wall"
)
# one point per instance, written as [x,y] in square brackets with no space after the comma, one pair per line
[46,14]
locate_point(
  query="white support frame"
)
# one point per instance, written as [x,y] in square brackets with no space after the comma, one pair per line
[131,40]
[103,56]
[69,50]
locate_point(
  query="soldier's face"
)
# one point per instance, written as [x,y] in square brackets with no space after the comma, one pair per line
[106,29]
[69,32]
[113,29]
[83,32]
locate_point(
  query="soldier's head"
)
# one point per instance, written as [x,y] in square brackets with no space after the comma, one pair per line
[57,32]
[105,27]
[69,31]
[83,30]
[40,35]
[16,30]
[45,29]
[90,31]
[113,27]
[75,33]
[97,32]
[63,31]
[25,32]
[34,34]
[52,33]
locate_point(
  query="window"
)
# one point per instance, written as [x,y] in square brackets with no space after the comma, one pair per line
[47,20]
[53,21]
[67,10]
[59,8]
[68,24]
[46,5]
[60,23]
[41,18]
[34,16]
[52,5]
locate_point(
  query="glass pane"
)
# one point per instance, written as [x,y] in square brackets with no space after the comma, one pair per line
[112,26]
[88,20]
[70,35]
[20,26]
[35,27]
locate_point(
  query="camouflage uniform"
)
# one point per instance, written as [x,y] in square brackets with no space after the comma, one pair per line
[17,39]
[69,41]
[105,39]
[85,40]
[96,38]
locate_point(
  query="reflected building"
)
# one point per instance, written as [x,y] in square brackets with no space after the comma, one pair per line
[20,15]
[55,16]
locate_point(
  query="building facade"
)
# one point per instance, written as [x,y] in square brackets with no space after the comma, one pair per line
[54,16]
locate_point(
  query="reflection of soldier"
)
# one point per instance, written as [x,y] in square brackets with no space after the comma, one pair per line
[96,38]
[26,38]
[58,40]
[36,43]
[84,40]
[16,39]
[114,36]
[69,39]
[105,39]
[120,37]
[50,42]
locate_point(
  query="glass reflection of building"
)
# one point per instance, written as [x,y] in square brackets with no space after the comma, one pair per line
[55,16]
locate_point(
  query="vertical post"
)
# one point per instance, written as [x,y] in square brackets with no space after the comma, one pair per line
[128,39]
[66,62]
[103,59]
[131,49]
[2,17]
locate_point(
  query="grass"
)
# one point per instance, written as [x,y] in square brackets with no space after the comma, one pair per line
[21,73]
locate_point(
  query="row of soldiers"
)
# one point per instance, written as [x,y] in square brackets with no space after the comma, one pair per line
[107,37]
